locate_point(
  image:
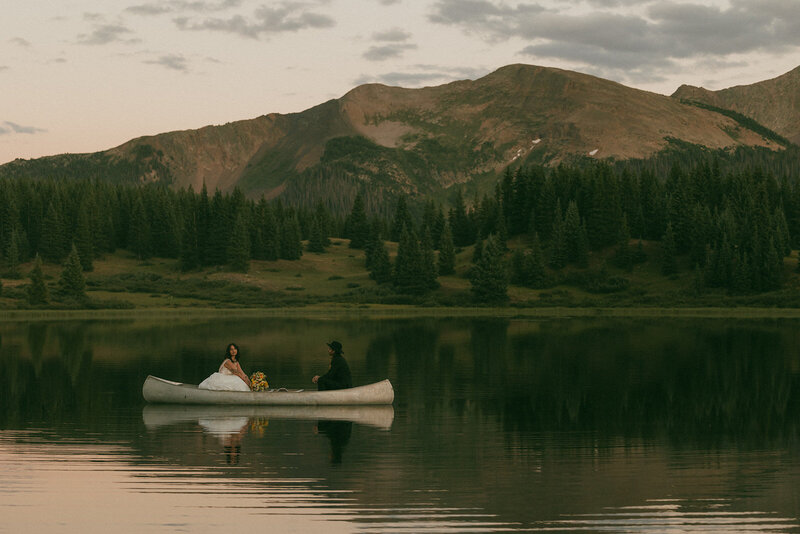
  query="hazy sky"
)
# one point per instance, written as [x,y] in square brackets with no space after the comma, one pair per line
[83,76]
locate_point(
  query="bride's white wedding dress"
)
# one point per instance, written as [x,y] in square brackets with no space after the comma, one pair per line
[224,380]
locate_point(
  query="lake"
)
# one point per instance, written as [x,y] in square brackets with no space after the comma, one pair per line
[498,425]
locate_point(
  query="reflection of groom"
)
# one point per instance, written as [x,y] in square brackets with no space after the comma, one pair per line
[339,434]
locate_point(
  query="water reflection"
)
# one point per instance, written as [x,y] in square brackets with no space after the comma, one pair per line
[634,425]
[159,415]
[338,432]
[674,515]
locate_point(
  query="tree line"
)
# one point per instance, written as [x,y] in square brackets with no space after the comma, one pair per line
[732,228]
[46,217]
[731,225]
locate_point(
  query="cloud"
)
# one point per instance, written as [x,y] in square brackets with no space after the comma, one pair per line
[105,34]
[179,6]
[19,41]
[382,53]
[4,67]
[171,61]
[422,75]
[393,35]
[654,37]
[12,127]
[267,20]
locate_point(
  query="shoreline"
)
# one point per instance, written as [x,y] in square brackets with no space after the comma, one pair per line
[378,312]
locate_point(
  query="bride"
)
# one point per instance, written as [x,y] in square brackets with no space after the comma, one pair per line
[230,376]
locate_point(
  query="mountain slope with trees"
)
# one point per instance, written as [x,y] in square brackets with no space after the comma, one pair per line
[773,103]
[419,142]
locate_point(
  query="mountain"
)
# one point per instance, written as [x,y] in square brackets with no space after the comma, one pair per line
[773,103]
[416,141]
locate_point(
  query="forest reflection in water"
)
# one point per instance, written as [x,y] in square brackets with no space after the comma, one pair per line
[576,424]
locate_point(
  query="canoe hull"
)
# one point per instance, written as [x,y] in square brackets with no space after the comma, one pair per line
[158,390]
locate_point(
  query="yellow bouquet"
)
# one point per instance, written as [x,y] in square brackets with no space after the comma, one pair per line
[258,382]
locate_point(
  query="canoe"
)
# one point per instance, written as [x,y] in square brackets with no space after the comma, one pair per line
[158,390]
[162,415]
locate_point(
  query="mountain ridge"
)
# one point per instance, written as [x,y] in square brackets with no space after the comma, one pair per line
[422,141]
[775,103]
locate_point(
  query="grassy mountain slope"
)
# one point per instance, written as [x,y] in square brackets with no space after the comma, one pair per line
[417,141]
[774,103]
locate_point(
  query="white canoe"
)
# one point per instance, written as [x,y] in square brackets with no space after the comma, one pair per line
[160,415]
[159,390]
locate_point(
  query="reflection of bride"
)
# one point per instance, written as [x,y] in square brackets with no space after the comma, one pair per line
[230,431]
[230,376]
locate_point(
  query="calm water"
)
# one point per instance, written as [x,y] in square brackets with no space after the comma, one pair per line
[498,425]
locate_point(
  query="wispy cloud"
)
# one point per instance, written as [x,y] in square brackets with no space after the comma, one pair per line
[171,61]
[14,128]
[652,38]
[395,35]
[19,41]
[420,75]
[179,6]
[267,20]
[103,34]
[382,53]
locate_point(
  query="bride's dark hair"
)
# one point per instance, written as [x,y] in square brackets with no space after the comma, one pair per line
[228,350]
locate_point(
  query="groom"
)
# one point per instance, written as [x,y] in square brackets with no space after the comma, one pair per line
[338,375]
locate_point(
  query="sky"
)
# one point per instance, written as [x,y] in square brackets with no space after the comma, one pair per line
[82,76]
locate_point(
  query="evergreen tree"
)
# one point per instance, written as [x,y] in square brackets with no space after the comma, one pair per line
[219,230]
[558,244]
[37,290]
[574,237]
[501,230]
[401,221]
[623,256]
[447,253]
[669,261]
[477,252]
[700,234]
[488,277]
[316,241]
[323,219]
[203,222]
[741,277]
[536,273]
[357,224]
[460,224]
[546,212]
[719,267]
[437,229]
[72,283]
[428,270]
[380,268]
[84,242]
[12,255]
[239,246]
[783,241]
[190,249]
[698,281]
[139,232]
[52,246]
[408,265]
[271,236]
[291,247]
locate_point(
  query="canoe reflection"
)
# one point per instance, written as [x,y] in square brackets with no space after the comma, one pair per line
[226,418]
